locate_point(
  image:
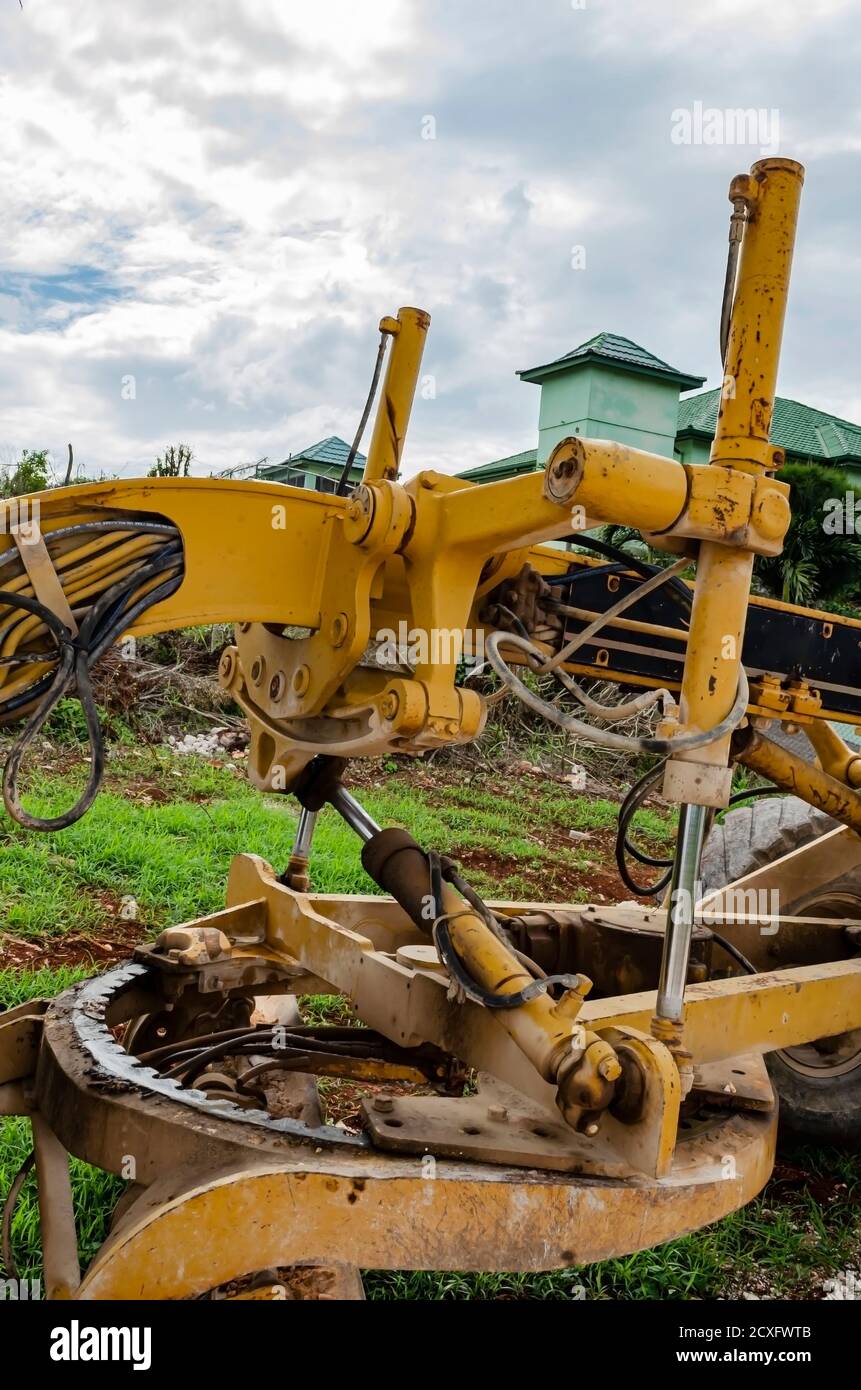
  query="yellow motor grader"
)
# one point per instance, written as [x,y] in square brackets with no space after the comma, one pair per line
[573,1082]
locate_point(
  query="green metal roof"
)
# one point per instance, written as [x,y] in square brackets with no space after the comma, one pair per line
[799,429]
[326,457]
[618,352]
[524,462]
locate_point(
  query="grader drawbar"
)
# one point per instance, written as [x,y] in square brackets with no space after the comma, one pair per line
[544,1085]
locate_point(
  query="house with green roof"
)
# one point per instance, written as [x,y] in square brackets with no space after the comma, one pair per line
[806,434]
[611,388]
[318,467]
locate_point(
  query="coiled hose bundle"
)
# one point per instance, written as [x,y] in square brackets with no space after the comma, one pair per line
[111,572]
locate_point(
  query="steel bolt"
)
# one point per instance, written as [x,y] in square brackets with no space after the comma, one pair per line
[384,1104]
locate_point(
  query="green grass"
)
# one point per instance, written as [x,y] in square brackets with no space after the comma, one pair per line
[94,1193]
[172,856]
[17,986]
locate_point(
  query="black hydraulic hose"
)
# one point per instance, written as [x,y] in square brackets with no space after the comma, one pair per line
[260,1033]
[197,1057]
[72,665]
[106,619]
[634,799]
[625,847]
[130,615]
[734,952]
[149,528]
[169,558]
[27,697]
[755,792]
[585,572]
[737,221]
[455,966]
[351,457]
[201,1040]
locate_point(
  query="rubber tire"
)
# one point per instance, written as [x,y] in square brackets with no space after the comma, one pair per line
[757,834]
[828,1109]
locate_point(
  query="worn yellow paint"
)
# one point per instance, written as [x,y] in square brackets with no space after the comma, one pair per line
[722,590]
[391,1213]
[408,332]
[814,785]
[751,1013]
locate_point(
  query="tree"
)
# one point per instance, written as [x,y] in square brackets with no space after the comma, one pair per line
[819,563]
[173,463]
[32,473]
[821,558]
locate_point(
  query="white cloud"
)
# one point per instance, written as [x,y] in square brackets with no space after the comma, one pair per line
[223,199]
[735,27]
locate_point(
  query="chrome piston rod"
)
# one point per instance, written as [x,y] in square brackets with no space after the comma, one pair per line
[680,914]
[354,814]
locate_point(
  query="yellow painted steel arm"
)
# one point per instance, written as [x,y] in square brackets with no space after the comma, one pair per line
[254,551]
[772,192]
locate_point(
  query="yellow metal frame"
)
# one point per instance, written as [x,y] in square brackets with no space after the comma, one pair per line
[427,553]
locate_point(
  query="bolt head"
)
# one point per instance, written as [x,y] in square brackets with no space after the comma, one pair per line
[772,515]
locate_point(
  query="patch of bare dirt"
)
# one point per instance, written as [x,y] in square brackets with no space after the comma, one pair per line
[113,940]
[787,1182]
[594,878]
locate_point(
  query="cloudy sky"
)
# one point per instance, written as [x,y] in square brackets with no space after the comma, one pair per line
[220,199]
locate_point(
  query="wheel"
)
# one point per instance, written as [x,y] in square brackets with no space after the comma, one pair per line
[819,1084]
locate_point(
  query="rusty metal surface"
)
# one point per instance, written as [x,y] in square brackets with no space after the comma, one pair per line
[786,770]
[496,1125]
[390,1212]
[752,1013]
[88,1017]
[741,1083]
[340,1201]
[302,1283]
